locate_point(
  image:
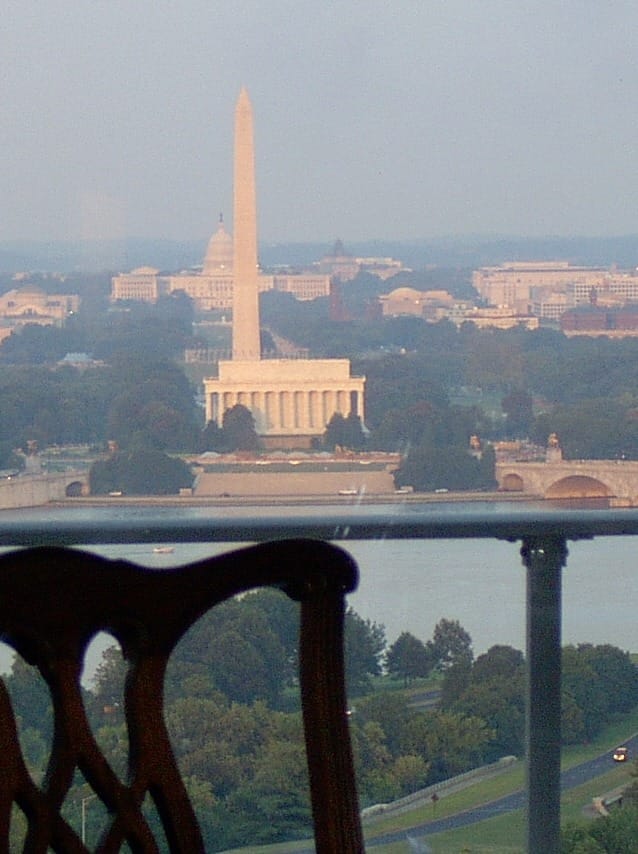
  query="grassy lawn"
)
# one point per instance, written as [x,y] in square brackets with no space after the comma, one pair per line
[573,801]
[505,834]
[481,793]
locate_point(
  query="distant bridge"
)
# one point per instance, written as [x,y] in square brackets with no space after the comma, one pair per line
[34,490]
[616,480]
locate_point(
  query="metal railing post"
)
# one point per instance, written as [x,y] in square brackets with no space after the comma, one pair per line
[544,558]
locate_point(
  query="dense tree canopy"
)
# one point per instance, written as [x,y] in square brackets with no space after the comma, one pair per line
[598,682]
[140,472]
[616,833]
[151,404]
[428,468]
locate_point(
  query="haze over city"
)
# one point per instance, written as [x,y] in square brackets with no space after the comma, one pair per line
[401,121]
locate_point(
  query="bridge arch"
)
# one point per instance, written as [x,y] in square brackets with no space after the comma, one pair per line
[578,486]
[512,482]
[74,489]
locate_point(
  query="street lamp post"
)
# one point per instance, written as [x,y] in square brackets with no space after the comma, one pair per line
[84,802]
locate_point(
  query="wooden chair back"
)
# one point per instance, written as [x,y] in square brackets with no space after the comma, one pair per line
[54,600]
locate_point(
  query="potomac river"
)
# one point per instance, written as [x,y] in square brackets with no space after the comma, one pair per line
[408,585]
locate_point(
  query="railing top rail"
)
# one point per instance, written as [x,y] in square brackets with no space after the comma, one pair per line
[347,524]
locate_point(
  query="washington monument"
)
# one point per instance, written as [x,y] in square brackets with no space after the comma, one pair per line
[291,400]
[246,339]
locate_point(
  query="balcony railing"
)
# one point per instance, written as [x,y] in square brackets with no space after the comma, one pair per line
[543,537]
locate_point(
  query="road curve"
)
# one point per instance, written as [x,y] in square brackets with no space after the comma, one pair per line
[571,778]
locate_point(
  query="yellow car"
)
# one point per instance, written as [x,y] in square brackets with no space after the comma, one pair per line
[620,754]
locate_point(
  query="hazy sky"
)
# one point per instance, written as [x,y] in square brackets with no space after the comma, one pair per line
[373,118]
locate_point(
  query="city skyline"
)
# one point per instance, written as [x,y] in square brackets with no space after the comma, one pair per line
[410,122]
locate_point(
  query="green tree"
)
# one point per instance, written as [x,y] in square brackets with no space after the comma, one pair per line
[580,680]
[594,428]
[495,693]
[212,744]
[372,759]
[431,467]
[110,675]
[389,711]
[335,431]
[617,833]
[344,432]
[113,741]
[616,674]
[364,643]
[282,616]
[519,414]
[456,680]
[237,647]
[403,427]
[140,472]
[575,839]
[238,426]
[35,344]
[212,438]
[572,724]
[243,667]
[451,644]
[394,380]
[30,698]
[450,742]
[409,658]
[155,402]
[499,662]
[275,804]
[500,702]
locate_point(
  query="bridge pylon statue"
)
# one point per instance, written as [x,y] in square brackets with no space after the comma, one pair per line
[554,452]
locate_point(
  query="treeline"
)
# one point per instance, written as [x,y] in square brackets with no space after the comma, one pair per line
[133,392]
[599,682]
[232,709]
[148,403]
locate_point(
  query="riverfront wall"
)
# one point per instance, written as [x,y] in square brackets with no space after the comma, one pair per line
[293,483]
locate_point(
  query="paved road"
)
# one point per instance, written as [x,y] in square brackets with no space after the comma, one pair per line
[424,699]
[575,776]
